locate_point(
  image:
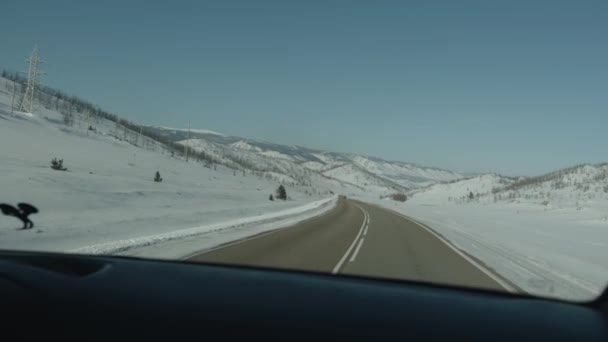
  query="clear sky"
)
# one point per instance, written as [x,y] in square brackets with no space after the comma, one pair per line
[518,87]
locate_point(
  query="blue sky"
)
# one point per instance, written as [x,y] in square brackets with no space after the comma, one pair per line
[518,87]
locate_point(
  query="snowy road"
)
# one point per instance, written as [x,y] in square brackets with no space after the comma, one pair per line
[360,239]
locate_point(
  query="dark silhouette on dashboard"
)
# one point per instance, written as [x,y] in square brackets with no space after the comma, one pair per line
[22,213]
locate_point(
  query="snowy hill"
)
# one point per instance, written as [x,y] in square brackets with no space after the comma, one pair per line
[407,174]
[384,176]
[353,174]
[574,187]
[197,131]
[460,190]
[107,196]
[579,186]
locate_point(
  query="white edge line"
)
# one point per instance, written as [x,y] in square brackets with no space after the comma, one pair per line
[352,245]
[483,269]
[354,256]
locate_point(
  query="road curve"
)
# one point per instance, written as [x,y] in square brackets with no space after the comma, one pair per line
[359,239]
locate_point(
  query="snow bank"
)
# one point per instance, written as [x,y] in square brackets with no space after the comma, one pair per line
[246,227]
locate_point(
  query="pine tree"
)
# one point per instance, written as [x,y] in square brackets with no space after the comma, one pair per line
[271,198]
[157,177]
[471,196]
[281,192]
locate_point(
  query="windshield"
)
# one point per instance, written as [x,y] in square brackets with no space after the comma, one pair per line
[454,143]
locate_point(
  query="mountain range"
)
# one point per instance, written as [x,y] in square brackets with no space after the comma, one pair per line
[297,163]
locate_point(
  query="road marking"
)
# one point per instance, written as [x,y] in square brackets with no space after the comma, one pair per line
[352,258]
[483,269]
[352,245]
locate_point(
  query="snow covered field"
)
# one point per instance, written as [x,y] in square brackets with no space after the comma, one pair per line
[559,249]
[107,201]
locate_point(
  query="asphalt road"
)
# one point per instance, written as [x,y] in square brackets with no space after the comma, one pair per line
[360,239]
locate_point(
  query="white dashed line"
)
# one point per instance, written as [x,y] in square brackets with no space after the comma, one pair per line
[352,245]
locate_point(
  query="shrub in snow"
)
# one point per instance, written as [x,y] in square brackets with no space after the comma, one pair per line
[157,177]
[281,193]
[271,198]
[57,164]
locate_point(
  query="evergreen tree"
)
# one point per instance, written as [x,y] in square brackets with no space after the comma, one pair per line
[157,177]
[271,198]
[281,193]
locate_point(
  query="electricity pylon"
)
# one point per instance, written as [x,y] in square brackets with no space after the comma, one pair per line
[33,75]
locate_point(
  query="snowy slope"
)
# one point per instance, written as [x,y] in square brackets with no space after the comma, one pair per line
[575,187]
[402,175]
[313,165]
[299,176]
[407,174]
[197,131]
[459,190]
[548,235]
[581,186]
[108,196]
[352,174]
[243,145]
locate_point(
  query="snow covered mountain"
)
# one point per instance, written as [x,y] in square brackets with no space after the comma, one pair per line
[358,170]
[580,186]
[574,187]
[460,190]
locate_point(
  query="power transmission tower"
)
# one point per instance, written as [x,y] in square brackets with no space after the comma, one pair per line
[33,74]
